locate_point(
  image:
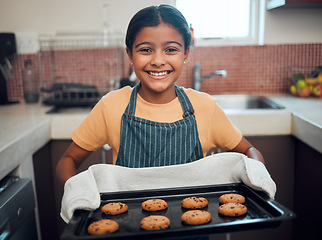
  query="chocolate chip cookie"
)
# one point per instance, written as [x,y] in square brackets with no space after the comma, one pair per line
[196,217]
[232,198]
[194,202]
[102,227]
[114,208]
[232,209]
[155,222]
[153,205]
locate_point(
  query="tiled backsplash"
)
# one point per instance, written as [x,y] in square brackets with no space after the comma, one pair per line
[251,69]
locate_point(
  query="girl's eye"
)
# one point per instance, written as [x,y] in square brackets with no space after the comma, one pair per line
[145,50]
[171,50]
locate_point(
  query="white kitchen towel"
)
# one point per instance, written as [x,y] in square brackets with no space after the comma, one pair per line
[83,190]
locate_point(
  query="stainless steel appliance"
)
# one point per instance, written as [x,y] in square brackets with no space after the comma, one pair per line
[17,209]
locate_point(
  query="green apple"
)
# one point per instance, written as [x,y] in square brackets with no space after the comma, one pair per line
[301,84]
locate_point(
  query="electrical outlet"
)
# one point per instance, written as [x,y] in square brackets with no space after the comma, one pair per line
[27,43]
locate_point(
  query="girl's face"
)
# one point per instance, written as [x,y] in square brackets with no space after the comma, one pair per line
[158,58]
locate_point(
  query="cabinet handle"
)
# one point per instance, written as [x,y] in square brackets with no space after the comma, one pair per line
[5,230]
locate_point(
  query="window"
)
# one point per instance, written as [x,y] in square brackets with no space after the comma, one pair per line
[229,22]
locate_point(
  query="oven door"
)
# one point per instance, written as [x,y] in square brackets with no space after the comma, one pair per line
[17,210]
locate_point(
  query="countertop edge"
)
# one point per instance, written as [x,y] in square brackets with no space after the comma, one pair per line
[24,147]
[307,132]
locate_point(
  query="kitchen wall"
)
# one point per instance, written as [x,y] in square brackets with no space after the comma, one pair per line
[291,25]
[293,37]
[48,16]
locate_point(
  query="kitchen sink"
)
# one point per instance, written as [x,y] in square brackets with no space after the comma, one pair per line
[245,101]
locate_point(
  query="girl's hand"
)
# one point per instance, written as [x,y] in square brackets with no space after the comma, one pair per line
[246,148]
[70,161]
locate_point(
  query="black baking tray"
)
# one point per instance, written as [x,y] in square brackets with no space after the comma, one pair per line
[263,212]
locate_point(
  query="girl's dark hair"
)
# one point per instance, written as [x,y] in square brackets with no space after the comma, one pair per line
[153,16]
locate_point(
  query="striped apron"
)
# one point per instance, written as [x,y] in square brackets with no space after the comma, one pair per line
[145,143]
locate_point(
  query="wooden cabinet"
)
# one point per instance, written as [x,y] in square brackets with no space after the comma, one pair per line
[45,193]
[278,152]
[49,191]
[272,4]
[296,168]
[308,192]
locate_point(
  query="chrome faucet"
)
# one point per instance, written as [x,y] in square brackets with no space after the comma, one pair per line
[197,78]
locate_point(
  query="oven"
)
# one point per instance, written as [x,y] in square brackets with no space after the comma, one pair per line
[17,209]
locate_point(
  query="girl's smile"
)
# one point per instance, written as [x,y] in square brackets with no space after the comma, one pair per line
[158,58]
[163,73]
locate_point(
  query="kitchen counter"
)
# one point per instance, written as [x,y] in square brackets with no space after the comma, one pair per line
[25,128]
[306,118]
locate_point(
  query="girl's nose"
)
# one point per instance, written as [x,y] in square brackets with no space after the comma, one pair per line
[158,59]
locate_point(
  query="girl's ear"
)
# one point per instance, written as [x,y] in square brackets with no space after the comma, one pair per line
[129,54]
[186,55]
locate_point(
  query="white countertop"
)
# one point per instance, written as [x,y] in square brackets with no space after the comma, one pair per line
[306,118]
[25,128]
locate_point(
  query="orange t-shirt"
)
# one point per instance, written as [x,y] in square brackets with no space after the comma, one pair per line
[103,124]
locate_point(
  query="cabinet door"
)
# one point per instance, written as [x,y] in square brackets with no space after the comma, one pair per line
[303,1]
[45,194]
[278,152]
[49,190]
[58,147]
[272,4]
[308,192]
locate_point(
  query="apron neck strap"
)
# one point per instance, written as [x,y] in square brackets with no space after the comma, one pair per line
[185,102]
[183,98]
[130,109]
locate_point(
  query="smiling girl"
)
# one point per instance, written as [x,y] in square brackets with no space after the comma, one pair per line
[156,123]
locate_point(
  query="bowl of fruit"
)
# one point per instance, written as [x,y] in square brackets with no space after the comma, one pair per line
[305,81]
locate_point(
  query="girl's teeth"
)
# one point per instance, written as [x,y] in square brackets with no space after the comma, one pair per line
[158,74]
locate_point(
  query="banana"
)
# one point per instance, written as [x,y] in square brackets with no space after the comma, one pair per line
[312,81]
